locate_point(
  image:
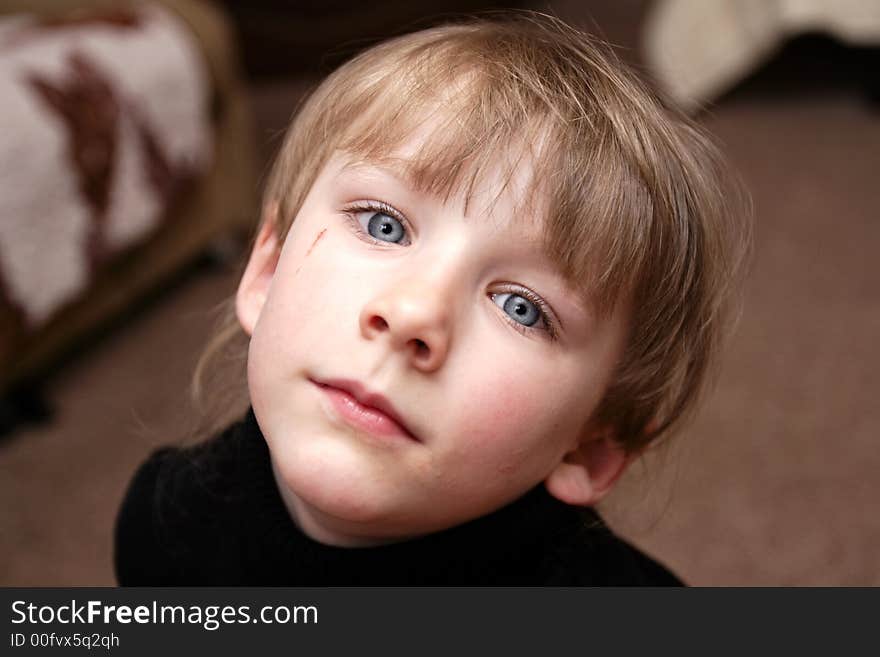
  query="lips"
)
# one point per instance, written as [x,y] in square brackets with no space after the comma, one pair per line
[364,409]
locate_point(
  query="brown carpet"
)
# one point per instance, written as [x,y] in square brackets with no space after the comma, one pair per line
[775,483]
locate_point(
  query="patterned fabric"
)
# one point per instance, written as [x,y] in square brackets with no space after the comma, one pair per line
[105,121]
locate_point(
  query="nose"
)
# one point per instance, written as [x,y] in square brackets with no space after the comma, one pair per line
[415,319]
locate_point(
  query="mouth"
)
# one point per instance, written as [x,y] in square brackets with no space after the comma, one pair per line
[363,409]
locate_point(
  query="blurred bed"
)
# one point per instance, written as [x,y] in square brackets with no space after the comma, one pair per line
[127,149]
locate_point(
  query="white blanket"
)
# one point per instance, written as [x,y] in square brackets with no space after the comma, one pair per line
[104,119]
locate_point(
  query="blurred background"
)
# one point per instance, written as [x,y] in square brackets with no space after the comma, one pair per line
[134,146]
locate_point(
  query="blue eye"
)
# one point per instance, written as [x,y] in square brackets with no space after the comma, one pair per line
[375,221]
[385,227]
[518,308]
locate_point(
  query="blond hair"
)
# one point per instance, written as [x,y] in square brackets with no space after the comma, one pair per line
[636,202]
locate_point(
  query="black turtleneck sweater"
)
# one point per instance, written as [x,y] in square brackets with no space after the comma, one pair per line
[212,515]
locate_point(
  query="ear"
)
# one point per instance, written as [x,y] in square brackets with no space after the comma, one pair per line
[257,277]
[587,473]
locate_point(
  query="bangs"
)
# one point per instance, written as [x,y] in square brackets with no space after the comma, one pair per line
[481,123]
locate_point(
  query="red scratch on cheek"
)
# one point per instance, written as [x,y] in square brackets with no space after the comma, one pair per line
[314,244]
[317,239]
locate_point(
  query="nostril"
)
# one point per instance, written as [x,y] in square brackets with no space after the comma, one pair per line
[377,323]
[421,348]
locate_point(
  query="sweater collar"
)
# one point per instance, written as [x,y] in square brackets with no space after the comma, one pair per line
[494,547]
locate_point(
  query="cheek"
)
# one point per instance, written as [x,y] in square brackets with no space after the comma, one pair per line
[510,418]
[307,293]
[284,332]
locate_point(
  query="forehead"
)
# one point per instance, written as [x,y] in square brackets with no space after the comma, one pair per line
[449,141]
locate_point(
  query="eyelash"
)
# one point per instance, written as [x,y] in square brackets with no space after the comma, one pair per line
[373,206]
[543,308]
[550,329]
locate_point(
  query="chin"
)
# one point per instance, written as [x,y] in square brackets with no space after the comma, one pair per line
[340,488]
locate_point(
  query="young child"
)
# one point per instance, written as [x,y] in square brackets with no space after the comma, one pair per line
[491,270]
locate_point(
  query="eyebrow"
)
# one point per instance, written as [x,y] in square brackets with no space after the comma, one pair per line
[395,167]
[398,169]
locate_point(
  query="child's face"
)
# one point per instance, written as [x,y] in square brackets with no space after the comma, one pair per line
[382,289]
